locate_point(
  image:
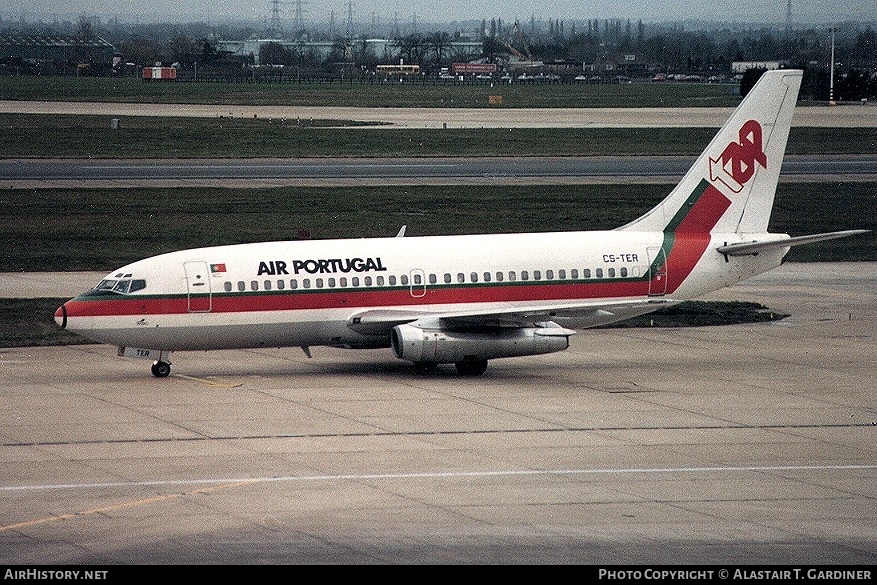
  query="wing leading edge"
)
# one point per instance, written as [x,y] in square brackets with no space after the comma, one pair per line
[552,318]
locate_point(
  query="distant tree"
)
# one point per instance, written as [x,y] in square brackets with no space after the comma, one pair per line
[340,50]
[140,51]
[273,53]
[209,54]
[852,86]
[750,76]
[84,30]
[84,37]
[411,48]
[183,50]
[440,43]
[489,48]
[864,49]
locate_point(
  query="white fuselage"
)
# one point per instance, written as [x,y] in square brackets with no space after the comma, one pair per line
[303,293]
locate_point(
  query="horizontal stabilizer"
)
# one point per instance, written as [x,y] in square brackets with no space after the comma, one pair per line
[747,248]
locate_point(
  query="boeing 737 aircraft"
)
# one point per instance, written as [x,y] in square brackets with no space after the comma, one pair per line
[464,299]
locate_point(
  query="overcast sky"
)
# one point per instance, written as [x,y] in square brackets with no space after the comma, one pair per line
[384,11]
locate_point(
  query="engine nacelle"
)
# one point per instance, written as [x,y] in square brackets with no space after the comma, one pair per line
[440,346]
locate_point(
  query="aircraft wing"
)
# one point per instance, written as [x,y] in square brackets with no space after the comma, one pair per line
[578,314]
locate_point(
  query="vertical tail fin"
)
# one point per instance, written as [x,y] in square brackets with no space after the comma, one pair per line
[731,186]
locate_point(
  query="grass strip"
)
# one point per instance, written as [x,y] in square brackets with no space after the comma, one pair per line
[371,93]
[102,229]
[72,136]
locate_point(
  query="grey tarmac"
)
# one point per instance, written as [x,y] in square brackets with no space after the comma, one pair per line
[737,445]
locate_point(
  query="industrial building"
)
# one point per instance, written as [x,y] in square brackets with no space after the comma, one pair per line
[37,48]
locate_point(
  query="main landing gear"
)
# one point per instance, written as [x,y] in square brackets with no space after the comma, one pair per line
[468,367]
[161,369]
[471,367]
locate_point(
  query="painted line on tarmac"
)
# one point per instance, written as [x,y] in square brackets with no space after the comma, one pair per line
[207,382]
[215,485]
[119,506]
[437,475]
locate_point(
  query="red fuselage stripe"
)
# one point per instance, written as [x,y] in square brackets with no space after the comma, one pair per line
[353,299]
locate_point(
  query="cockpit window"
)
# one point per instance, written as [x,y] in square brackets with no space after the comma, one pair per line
[122,287]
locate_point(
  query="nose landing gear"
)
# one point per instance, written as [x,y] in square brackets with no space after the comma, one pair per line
[161,369]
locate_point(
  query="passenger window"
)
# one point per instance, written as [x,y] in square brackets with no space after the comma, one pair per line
[254,285]
[474,277]
[354,281]
[342,281]
[293,283]
[227,286]
[267,285]
[537,275]
[599,273]
[281,284]
[624,272]
[403,280]
[461,278]
[574,273]
[319,283]
[242,286]
[549,275]
[486,277]
[367,281]
[379,281]
[331,283]
[391,280]
[610,273]
[525,275]
[432,279]
[447,278]
[587,272]
[306,283]
[512,275]
[418,279]
[561,274]
[499,276]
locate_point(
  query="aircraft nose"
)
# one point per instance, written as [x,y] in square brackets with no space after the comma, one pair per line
[61,316]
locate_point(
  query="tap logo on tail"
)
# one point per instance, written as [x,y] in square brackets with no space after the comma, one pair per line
[736,165]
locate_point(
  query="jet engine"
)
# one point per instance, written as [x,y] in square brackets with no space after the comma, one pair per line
[442,346]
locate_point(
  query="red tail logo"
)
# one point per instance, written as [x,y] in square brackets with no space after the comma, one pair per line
[736,165]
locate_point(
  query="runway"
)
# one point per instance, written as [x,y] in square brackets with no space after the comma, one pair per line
[730,446]
[42,173]
[851,116]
